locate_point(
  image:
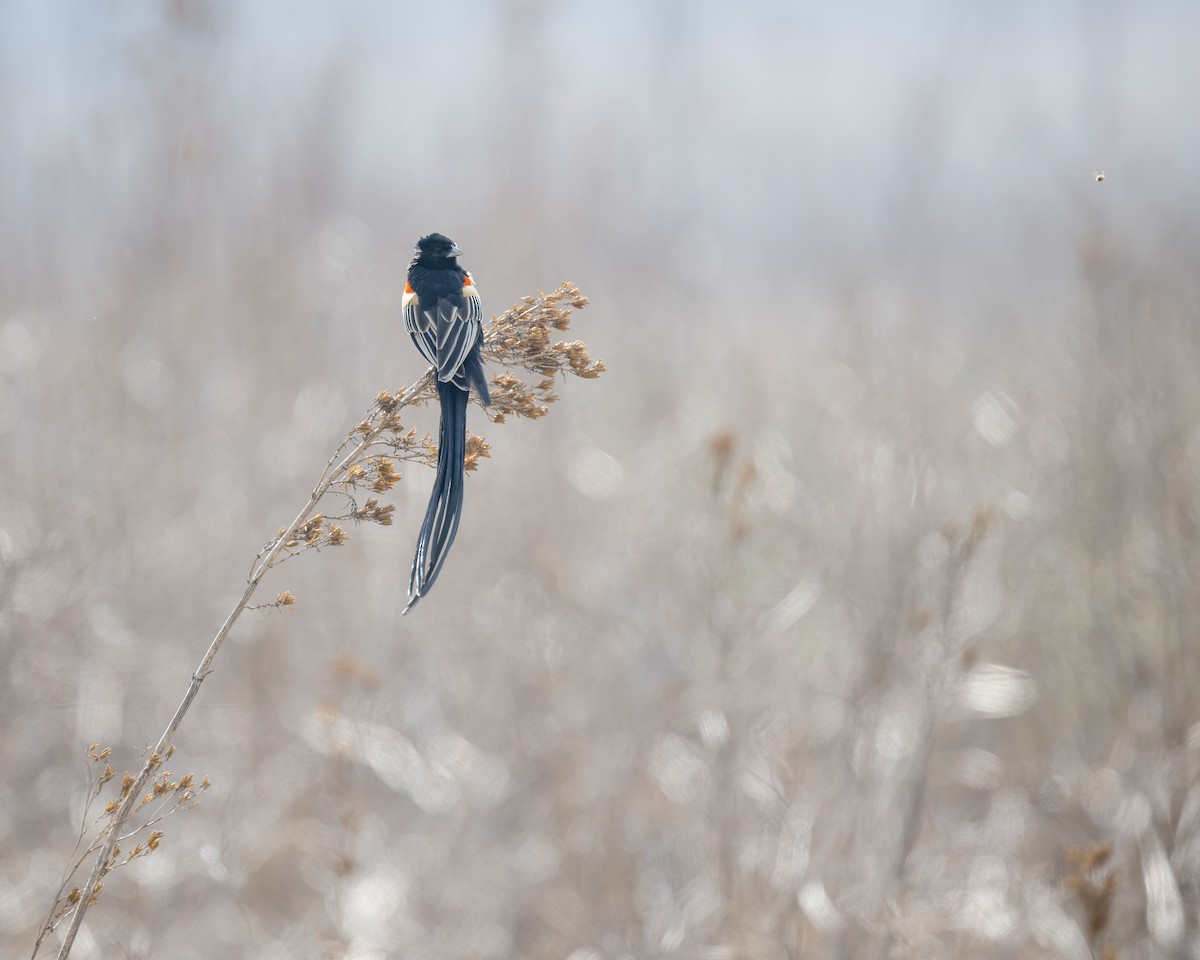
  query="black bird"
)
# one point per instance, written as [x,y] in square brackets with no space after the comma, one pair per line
[444,316]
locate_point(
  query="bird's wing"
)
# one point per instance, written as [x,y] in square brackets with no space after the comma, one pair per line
[456,335]
[419,325]
[458,327]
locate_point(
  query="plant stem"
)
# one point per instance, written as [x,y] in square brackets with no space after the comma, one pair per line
[328,478]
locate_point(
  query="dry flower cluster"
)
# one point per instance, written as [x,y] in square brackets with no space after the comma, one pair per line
[522,337]
[166,795]
[365,460]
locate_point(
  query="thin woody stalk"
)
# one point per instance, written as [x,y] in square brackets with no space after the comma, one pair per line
[518,338]
[329,477]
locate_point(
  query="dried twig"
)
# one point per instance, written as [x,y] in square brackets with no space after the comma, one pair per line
[520,337]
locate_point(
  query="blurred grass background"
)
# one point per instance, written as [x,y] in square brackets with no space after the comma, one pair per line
[858,593]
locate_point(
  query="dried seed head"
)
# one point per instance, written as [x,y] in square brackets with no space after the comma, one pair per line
[521,336]
[386,474]
[476,449]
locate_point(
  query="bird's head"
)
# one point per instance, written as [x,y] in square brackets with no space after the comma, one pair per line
[436,247]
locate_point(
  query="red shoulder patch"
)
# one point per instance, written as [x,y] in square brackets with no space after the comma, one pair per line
[467,281]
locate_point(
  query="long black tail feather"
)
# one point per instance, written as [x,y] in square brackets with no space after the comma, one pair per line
[446,500]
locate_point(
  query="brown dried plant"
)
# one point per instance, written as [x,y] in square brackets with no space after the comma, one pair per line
[167,794]
[521,338]
[1094,884]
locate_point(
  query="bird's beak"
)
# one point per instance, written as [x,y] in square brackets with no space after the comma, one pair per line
[454,251]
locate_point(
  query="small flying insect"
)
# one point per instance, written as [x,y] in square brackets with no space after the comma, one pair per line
[1099,175]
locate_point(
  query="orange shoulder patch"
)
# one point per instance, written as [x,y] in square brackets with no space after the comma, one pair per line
[467,281]
[408,288]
